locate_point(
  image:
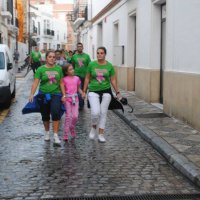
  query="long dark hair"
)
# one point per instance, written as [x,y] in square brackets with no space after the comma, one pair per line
[65,68]
[102,48]
[48,52]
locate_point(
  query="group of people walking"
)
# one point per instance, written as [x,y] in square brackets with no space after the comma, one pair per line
[67,83]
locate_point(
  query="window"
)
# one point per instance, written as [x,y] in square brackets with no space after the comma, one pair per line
[38,28]
[45,46]
[2,60]
[116,34]
[57,35]
[45,26]
[48,24]
[100,34]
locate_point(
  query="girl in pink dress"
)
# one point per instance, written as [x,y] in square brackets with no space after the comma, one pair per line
[70,86]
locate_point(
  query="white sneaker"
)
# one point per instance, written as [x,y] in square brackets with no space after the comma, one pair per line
[56,140]
[47,136]
[92,133]
[101,138]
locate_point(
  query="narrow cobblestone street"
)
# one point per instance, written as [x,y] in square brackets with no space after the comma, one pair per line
[32,168]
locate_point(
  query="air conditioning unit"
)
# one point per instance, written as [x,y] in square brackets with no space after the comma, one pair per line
[6,14]
[12,28]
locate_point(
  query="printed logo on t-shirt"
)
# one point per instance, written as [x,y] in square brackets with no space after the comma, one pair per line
[51,76]
[100,73]
[80,62]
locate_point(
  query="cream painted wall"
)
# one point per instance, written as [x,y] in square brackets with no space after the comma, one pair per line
[120,14]
[181,73]
[143,33]
[182,33]
[97,6]
[117,15]
[183,30]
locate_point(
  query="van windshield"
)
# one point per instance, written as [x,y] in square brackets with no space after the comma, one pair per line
[2,60]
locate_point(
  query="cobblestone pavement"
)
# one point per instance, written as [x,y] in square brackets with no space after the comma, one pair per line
[32,169]
[176,140]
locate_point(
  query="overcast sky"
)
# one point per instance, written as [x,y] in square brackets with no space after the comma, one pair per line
[64,1]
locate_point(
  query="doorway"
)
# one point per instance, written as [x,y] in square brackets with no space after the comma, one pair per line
[163,49]
[132,43]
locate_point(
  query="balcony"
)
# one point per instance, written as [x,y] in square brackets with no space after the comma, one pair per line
[70,16]
[48,33]
[33,30]
[33,14]
[6,14]
[80,18]
[79,15]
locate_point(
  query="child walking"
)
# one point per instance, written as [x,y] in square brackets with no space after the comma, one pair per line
[70,86]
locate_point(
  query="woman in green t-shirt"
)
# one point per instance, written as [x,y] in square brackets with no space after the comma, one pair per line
[48,78]
[99,78]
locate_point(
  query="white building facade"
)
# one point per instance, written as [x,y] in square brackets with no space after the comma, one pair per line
[154,45]
[8,26]
[46,30]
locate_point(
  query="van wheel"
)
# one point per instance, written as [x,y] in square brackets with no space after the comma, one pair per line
[8,103]
[14,92]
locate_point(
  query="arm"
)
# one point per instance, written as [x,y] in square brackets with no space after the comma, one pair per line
[33,88]
[113,81]
[30,58]
[62,87]
[79,90]
[86,82]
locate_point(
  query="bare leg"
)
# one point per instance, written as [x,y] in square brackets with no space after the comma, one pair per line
[101,131]
[56,126]
[94,126]
[46,125]
[55,132]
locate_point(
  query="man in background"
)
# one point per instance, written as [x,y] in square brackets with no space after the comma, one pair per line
[35,59]
[80,62]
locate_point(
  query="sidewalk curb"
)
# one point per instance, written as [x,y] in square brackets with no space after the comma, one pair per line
[180,162]
[22,74]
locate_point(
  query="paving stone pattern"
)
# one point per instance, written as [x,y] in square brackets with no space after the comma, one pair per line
[177,133]
[32,169]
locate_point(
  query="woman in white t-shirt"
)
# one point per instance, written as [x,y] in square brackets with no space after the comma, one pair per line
[43,57]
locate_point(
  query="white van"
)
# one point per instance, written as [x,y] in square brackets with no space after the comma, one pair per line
[7,76]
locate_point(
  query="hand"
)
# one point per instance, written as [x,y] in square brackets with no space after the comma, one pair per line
[63,99]
[31,98]
[83,94]
[119,96]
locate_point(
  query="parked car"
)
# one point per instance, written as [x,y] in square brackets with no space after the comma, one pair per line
[7,76]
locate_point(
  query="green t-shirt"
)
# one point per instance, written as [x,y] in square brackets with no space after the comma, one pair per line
[49,79]
[66,54]
[100,76]
[35,56]
[80,63]
[69,59]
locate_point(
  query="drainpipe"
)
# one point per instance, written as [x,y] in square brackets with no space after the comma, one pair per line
[16,24]
[29,28]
